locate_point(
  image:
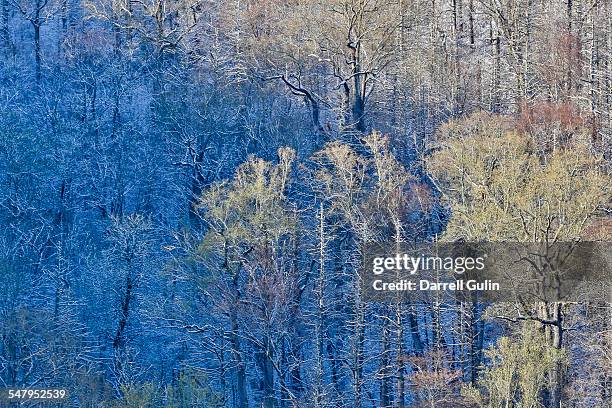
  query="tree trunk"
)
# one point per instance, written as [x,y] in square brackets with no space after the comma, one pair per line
[267,370]
[119,339]
[385,387]
[358,356]
[36,25]
[554,335]
[401,386]
[5,36]
[319,327]
[241,390]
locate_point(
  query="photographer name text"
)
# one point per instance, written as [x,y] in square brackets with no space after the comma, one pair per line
[428,285]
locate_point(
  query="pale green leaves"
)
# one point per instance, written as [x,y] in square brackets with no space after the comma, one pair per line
[251,209]
[518,371]
[501,186]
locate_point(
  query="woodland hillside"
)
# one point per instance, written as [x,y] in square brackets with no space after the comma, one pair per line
[187,186]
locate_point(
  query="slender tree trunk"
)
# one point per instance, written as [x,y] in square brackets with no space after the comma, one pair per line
[359,92]
[417,343]
[358,356]
[476,341]
[5,35]
[570,45]
[37,57]
[401,386]
[495,105]
[471,22]
[119,339]
[358,345]
[319,326]
[267,374]
[385,387]
[241,389]
[593,64]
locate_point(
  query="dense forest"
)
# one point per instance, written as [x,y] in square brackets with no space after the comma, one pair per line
[186,187]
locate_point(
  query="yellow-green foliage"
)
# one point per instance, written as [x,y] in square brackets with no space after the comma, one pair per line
[191,391]
[340,177]
[366,192]
[517,373]
[500,188]
[137,396]
[390,174]
[252,208]
[391,177]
